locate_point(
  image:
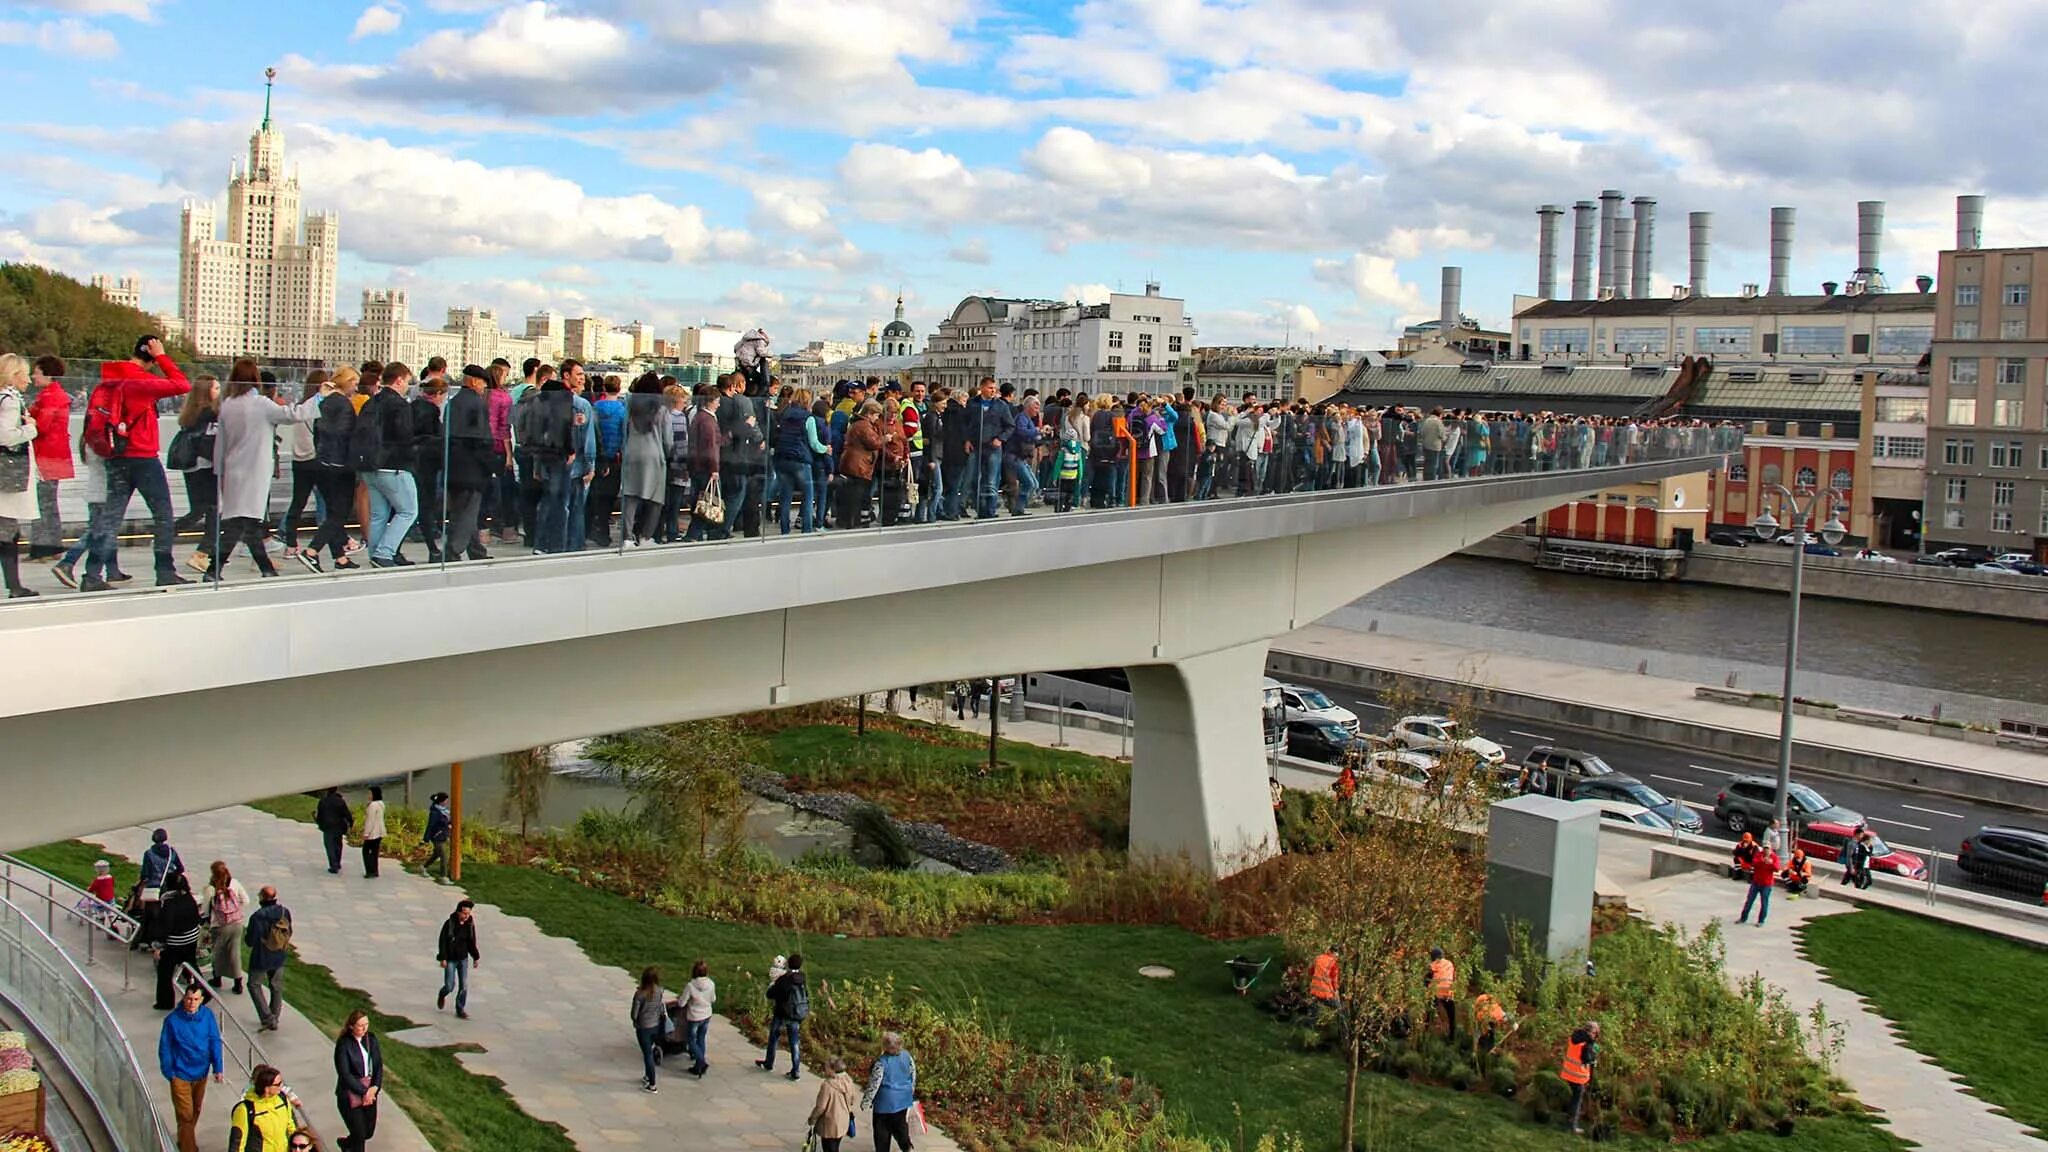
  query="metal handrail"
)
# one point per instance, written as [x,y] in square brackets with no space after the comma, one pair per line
[104,1022]
[192,978]
[99,917]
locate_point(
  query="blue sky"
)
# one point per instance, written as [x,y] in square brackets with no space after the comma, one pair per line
[1290,167]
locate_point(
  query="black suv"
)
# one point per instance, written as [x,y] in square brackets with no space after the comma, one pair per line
[1324,740]
[1749,803]
[2006,856]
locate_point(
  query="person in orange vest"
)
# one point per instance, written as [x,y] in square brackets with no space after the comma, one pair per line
[1745,852]
[1763,876]
[1443,985]
[1347,783]
[1322,980]
[1487,1017]
[1798,873]
[1581,1052]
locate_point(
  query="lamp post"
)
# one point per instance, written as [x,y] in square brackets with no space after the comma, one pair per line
[1766,527]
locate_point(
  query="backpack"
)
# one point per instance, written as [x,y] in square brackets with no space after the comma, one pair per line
[278,937]
[534,430]
[226,908]
[106,434]
[798,1004]
[366,440]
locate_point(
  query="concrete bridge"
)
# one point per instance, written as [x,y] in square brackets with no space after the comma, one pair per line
[127,709]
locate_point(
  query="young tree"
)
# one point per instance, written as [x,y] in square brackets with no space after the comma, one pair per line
[527,774]
[685,780]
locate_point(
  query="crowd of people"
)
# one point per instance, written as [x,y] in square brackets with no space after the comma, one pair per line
[558,458]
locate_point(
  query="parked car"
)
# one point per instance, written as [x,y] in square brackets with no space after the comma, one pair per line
[2022,566]
[1749,803]
[1622,812]
[1404,766]
[1441,734]
[1821,548]
[1299,703]
[1956,557]
[2006,855]
[1874,556]
[1621,788]
[1829,839]
[1322,740]
[1567,768]
[1729,538]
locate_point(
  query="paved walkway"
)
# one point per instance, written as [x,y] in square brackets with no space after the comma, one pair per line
[551,1022]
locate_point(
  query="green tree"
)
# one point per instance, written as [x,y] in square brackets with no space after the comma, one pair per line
[48,313]
[526,774]
[685,780]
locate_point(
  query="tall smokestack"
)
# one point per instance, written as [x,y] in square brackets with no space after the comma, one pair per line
[1969,223]
[1702,227]
[1582,249]
[1781,251]
[1447,314]
[1870,244]
[1646,230]
[1610,211]
[1624,257]
[1546,250]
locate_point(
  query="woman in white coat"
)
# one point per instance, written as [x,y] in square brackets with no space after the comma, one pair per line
[245,460]
[17,471]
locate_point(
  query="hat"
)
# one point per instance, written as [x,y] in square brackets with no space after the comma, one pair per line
[160,836]
[102,866]
[472,372]
[893,386]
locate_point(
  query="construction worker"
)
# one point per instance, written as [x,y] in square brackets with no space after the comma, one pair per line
[1763,876]
[1581,1052]
[1487,1017]
[1443,985]
[1346,785]
[1322,980]
[1797,875]
[1745,852]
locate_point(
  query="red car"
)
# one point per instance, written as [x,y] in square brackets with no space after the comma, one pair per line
[1824,840]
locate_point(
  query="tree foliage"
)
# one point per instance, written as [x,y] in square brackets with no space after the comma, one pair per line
[48,313]
[526,774]
[686,783]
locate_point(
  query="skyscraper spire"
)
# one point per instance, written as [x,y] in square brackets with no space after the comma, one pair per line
[269,80]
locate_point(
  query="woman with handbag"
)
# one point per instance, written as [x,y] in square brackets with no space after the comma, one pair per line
[858,462]
[17,472]
[709,511]
[191,455]
[832,1111]
[358,1080]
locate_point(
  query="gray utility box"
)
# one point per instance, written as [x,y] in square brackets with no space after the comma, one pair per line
[1541,854]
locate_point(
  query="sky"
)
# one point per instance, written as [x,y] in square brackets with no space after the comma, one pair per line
[1295,169]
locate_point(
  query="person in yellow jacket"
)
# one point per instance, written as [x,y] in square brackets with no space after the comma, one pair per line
[262,1120]
[1443,987]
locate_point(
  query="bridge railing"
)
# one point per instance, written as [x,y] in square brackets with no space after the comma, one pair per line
[1292,461]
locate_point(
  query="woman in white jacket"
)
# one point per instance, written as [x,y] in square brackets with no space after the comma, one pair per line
[245,461]
[17,471]
[698,997]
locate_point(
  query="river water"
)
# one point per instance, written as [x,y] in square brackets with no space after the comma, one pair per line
[1873,655]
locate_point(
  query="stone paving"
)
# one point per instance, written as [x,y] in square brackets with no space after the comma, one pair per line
[551,1022]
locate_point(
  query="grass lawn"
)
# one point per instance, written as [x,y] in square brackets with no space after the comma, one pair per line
[1227,1066]
[1969,1001]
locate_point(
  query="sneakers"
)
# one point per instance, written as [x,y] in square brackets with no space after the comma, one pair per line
[376,563]
[199,561]
[94,584]
[65,576]
[648,1087]
[170,580]
[398,560]
[22,593]
[764,1066]
[792,1074]
[461,1014]
[441,1002]
[310,559]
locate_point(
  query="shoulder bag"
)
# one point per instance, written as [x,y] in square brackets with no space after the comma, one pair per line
[711,505]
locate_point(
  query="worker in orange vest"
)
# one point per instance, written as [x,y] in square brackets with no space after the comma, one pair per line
[1443,985]
[1322,980]
[1798,874]
[1487,1017]
[1346,785]
[1745,854]
[1581,1052]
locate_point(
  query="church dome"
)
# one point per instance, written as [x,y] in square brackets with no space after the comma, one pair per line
[896,328]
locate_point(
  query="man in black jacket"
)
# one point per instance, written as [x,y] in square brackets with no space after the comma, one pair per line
[742,458]
[457,952]
[427,462]
[334,820]
[545,424]
[471,460]
[383,451]
[955,453]
[791,1002]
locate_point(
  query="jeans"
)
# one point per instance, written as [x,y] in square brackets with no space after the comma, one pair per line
[551,515]
[776,1029]
[394,505]
[455,978]
[928,493]
[953,482]
[1432,463]
[987,465]
[48,533]
[742,487]
[266,994]
[333,843]
[795,476]
[649,1040]
[699,1032]
[1027,483]
[1759,895]
[128,476]
[576,518]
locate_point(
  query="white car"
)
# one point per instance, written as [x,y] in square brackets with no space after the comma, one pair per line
[1874,556]
[1402,766]
[1299,703]
[1622,812]
[1441,734]
[2013,558]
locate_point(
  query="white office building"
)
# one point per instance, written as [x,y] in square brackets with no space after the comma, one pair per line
[1132,343]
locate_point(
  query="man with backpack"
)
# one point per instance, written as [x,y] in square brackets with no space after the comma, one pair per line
[791,1001]
[269,936]
[120,428]
[543,423]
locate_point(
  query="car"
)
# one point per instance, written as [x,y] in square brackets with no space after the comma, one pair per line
[1729,539]
[1750,803]
[1622,812]
[1565,767]
[1620,788]
[1441,734]
[2023,566]
[1957,557]
[1821,548]
[1828,839]
[2006,855]
[1323,740]
[1404,766]
[1874,556]
[1931,562]
[1299,703]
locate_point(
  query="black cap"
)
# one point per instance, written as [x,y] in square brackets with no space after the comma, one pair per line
[472,372]
[892,386]
[142,346]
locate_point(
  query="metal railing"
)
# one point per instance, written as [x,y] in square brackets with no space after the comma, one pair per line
[60,1003]
[106,926]
[245,1054]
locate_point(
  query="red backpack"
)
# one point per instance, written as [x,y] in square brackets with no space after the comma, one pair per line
[106,433]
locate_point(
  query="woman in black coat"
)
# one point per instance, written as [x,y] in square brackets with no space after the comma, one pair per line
[470,456]
[177,927]
[358,1081]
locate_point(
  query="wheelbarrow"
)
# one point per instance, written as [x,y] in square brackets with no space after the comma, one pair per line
[1245,972]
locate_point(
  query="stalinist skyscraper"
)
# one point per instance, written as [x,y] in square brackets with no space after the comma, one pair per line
[267,290]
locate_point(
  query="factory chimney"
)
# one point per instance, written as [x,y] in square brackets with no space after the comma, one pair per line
[1582,249]
[1702,227]
[1782,220]
[1645,253]
[1546,251]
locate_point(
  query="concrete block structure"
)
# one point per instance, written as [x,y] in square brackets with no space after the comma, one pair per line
[1541,853]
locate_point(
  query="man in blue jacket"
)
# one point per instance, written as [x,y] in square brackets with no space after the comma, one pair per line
[268,935]
[1026,432]
[989,425]
[187,1050]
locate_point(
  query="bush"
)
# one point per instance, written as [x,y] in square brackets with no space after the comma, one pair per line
[1460,1076]
[1410,1065]
[1501,1081]
[877,842]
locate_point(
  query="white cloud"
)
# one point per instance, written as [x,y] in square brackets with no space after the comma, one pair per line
[377,20]
[143,10]
[971,251]
[1086,293]
[1374,279]
[61,37]
[750,298]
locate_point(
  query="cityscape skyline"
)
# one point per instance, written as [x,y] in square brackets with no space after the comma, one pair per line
[1042,152]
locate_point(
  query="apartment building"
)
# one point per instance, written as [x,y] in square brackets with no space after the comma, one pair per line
[1987,413]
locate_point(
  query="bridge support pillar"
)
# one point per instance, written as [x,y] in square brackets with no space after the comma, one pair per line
[1198,775]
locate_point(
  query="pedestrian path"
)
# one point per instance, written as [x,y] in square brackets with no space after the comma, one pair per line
[1922,1102]
[551,1023]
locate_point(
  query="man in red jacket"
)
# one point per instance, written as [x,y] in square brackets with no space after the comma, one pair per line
[130,391]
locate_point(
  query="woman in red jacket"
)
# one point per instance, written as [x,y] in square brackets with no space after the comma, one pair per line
[51,411]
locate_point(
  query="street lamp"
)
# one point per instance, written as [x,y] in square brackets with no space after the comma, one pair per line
[1766,527]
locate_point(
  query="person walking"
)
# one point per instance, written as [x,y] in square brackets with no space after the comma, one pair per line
[649,1014]
[472,475]
[269,936]
[334,820]
[262,1120]
[223,906]
[439,824]
[791,1001]
[1581,1053]
[373,832]
[358,1080]
[121,428]
[832,1112]
[891,1092]
[191,453]
[177,944]
[334,480]
[245,462]
[159,863]
[18,434]
[51,412]
[188,1050]
[698,997]
[456,953]
[1763,876]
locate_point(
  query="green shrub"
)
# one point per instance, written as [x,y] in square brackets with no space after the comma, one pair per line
[877,842]
[1501,1081]
[1410,1065]
[1460,1076]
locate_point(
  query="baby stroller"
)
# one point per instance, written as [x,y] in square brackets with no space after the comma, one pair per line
[674,1041]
